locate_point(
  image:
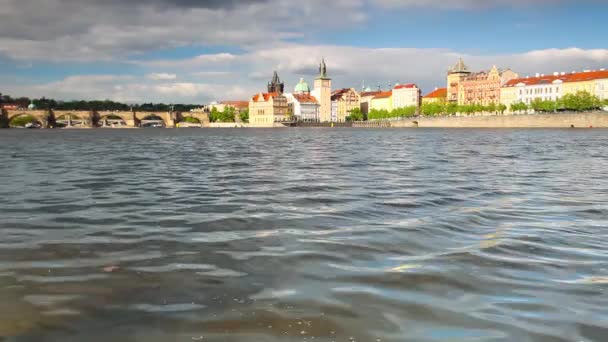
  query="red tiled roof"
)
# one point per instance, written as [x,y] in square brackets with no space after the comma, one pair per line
[437,93]
[305,98]
[370,93]
[336,94]
[267,96]
[9,106]
[576,77]
[383,95]
[236,104]
[406,86]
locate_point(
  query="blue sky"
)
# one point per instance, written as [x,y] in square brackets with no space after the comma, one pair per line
[197,51]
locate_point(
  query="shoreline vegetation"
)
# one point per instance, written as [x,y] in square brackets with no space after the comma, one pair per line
[580,102]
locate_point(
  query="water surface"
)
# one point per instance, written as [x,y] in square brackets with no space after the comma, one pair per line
[304,235]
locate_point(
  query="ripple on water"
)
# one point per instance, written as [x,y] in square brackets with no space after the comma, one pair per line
[303,234]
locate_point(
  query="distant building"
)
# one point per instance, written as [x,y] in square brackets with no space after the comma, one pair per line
[342,102]
[406,95]
[366,97]
[555,86]
[484,87]
[438,95]
[302,104]
[266,109]
[322,92]
[382,101]
[456,75]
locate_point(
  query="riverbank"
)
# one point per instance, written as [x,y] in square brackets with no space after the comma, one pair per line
[561,120]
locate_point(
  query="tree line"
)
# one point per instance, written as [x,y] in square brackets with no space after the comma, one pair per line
[579,102]
[228,115]
[96,105]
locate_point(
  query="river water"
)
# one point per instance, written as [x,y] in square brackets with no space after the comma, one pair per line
[303,235]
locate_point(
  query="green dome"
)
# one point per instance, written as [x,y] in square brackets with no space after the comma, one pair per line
[302,87]
[32,106]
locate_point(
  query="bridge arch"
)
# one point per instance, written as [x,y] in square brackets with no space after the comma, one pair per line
[152,120]
[70,119]
[22,120]
[112,120]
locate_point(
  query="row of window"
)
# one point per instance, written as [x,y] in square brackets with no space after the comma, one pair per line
[537,91]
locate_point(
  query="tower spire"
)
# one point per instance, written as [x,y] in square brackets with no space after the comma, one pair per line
[323,69]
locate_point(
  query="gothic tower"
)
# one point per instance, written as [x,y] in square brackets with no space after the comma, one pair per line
[322,91]
[276,86]
[456,75]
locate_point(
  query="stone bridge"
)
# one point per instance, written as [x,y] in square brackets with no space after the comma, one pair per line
[66,118]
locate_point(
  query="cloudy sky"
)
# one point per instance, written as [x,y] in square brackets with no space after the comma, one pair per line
[195,51]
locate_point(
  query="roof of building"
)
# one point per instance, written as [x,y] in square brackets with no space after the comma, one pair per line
[305,98]
[236,104]
[437,94]
[405,86]
[369,93]
[459,67]
[384,94]
[266,96]
[337,94]
[566,78]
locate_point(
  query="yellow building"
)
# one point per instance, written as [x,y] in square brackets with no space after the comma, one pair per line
[366,97]
[342,102]
[382,101]
[437,95]
[268,110]
[508,96]
[601,89]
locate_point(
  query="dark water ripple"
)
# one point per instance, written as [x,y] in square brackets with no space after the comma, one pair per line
[304,235]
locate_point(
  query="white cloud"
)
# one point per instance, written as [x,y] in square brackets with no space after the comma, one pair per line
[161,76]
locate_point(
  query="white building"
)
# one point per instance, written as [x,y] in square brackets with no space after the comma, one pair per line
[406,95]
[303,106]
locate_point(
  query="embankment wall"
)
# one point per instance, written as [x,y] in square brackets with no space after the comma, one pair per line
[578,120]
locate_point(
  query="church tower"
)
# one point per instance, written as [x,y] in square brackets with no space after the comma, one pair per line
[322,91]
[275,85]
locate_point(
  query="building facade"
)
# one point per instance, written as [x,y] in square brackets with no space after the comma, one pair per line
[269,109]
[555,86]
[456,74]
[302,104]
[406,95]
[382,101]
[484,87]
[439,95]
[342,102]
[322,92]
[366,97]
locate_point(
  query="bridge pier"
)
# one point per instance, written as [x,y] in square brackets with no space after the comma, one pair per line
[3,118]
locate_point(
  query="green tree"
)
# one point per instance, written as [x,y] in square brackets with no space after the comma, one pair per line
[502,108]
[491,108]
[214,115]
[518,107]
[355,114]
[581,101]
[244,115]
[451,108]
